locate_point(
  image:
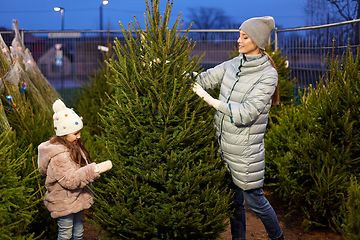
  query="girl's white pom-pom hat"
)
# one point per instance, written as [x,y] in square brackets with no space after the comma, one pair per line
[66,121]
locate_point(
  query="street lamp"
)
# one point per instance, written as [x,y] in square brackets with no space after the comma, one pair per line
[57,9]
[105,2]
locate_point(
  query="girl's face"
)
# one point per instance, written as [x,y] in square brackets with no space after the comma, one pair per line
[73,137]
[246,45]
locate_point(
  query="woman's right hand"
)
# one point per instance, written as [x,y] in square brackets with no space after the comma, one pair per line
[207,97]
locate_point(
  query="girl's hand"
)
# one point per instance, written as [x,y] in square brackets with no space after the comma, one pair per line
[104,166]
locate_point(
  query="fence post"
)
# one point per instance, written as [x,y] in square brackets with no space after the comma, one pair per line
[358,25]
[276,40]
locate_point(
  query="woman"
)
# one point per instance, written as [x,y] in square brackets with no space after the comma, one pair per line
[248,87]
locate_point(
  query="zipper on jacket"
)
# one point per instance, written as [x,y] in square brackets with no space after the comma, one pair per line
[242,60]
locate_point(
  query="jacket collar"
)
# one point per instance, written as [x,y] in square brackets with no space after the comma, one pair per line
[252,63]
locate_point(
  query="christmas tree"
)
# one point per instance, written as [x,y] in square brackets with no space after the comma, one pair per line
[315,145]
[91,101]
[348,221]
[167,181]
[17,200]
[25,121]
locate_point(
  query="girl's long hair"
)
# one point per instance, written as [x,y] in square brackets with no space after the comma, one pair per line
[276,96]
[74,149]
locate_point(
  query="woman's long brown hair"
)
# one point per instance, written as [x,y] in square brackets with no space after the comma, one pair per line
[276,96]
[74,149]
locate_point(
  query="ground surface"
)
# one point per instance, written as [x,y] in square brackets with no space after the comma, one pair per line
[255,229]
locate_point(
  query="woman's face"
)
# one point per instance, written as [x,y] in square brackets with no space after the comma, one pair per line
[73,137]
[246,45]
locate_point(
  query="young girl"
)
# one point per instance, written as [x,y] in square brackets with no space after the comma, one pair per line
[248,86]
[66,164]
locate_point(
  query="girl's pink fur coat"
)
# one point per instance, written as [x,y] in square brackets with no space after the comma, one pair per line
[66,182]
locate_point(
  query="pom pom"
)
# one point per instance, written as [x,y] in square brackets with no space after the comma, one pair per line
[58,106]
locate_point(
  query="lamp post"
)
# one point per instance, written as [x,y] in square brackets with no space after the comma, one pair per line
[104,2]
[60,52]
[57,9]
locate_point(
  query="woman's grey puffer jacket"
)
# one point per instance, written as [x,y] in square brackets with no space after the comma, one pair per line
[243,114]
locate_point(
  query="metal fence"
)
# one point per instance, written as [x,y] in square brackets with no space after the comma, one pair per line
[308,48]
[69,58]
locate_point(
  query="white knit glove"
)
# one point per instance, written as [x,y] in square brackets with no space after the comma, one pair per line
[103,167]
[207,97]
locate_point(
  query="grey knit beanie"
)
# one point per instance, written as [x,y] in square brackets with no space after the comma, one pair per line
[259,29]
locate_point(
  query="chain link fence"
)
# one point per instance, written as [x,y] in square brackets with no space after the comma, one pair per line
[309,48]
[69,58]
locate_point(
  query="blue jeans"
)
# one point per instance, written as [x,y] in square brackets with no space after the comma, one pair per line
[257,202]
[71,226]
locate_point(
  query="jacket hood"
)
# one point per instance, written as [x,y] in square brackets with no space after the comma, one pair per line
[46,151]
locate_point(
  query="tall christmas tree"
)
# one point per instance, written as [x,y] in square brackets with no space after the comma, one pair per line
[167,181]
